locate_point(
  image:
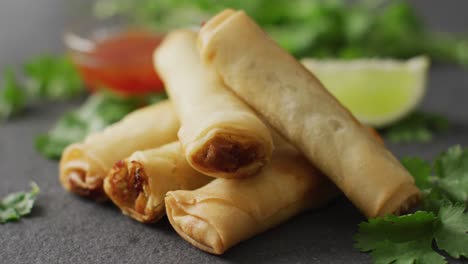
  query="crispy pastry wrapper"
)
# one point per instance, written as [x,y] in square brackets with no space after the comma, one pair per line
[221,136]
[297,105]
[138,184]
[227,211]
[84,165]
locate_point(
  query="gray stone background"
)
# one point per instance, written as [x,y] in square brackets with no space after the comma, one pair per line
[66,229]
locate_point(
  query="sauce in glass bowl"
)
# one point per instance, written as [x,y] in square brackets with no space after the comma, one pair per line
[120,60]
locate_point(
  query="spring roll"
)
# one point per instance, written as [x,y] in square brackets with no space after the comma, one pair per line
[84,165]
[294,102]
[227,211]
[221,136]
[138,184]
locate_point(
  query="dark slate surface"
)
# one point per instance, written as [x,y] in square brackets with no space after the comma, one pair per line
[66,229]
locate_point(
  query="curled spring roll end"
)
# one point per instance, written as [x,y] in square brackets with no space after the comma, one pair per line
[227,155]
[405,198]
[127,186]
[80,173]
[84,165]
[138,184]
[197,230]
[225,212]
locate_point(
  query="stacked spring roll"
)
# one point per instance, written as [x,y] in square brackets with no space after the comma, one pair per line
[138,184]
[84,165]
[285,187]
[297,105]
[228,211]
[221,136]
[158,171]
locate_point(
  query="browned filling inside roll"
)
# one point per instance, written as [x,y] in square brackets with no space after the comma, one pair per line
[86,186]
[127,186]
[223,153]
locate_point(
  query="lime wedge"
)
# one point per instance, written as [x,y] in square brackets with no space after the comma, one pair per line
[378,92]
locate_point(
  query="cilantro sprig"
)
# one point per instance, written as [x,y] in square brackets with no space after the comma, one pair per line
[12,96]
[46,78]
[52,78]
[99,111]
[339,28]
[404,239]
[451,233]
[418,127]
[409,238]
[442,221]
[452,173]
[450,182]
[16,205]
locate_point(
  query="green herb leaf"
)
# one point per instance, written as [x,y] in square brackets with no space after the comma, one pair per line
[434,197]
[449,185]
[416,251]
[452,173]
[420,170]
[399,239]
[394,229]
[418,127]
[19,204]
[99,111]
[408,238]
[69,129]
[311,28]
[451,234]
[157,98]
[47,78]
[52,78]
[12,96]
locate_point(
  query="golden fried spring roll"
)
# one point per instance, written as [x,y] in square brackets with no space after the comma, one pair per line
[294,102]
[221,135]
[138,184]
[228,211]
[84,165]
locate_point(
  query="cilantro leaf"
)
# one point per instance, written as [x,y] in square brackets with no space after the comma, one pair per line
[70,128]
[12,95]
[420,170]
[19,204]
[417,251]
[394,229]
[52,78]
[399,239]
[409,238]
[451,234]
[311,28]
[8,215]
[452,171]
[418,127]
[449,185]
[434,199]
[157,98]
[46,78]
[99,111]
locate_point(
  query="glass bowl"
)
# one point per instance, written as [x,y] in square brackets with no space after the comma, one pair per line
[113,54]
